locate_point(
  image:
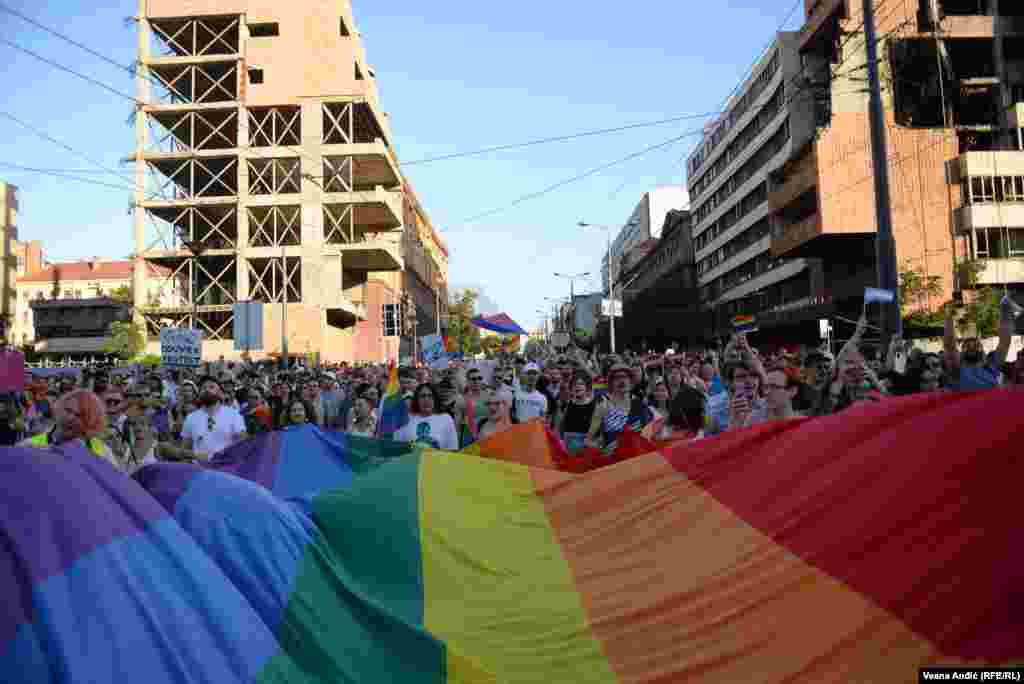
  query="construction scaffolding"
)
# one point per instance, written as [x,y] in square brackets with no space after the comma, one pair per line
[254,184]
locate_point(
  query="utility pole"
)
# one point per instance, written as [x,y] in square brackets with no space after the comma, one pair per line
[284,308]
[885,244]
[611,290]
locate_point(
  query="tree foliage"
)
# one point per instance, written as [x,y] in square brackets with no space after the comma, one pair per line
[122,294]
[534,348]
[983,312]
[461,310]
[491,345]
[918,292]
[126,340]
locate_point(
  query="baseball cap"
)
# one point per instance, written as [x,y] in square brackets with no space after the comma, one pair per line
[531,368]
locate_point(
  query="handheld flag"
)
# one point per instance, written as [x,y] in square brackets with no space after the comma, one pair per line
[742,325]
[394,412]
[878,295]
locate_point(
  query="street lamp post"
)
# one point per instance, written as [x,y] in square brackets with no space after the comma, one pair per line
[611,265]
[544,320]
[572,295]
[555,302]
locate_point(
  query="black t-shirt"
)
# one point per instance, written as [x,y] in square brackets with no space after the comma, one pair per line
[8,435]
[578,417]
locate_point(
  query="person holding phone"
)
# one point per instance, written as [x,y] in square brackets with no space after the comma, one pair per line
[746,407]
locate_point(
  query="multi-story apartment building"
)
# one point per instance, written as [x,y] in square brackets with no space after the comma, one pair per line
[728,179]
[644,224]
[8,243]
[266,173]
[659,303]
[88,279]
[953,94]
[18,258]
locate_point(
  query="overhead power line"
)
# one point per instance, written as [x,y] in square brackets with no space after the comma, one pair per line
[67,176]
[58,34]
[560,138]
[71,71]
[581,176]
[42,134]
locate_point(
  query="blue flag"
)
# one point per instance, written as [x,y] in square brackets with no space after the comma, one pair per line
[874,294]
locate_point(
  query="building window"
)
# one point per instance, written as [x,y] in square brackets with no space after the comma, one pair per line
[255,76]
[267,30]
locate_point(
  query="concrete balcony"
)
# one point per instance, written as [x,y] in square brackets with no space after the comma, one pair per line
[72,345]
[785,271]
[374,163]
[989,215]
[1002,163]
[378,209]
[819,21]
[1001,271]
[737,259]
[799,176]
[793,235]
[369,254]
[975,26]
[342,312]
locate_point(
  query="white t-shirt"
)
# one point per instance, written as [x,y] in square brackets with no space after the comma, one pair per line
[228,424]
[437,431]
[530,405]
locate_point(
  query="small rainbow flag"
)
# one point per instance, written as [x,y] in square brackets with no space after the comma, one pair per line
[744,324]
[394,410]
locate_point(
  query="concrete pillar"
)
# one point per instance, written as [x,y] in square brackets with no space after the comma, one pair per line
[242,143]
[142,92]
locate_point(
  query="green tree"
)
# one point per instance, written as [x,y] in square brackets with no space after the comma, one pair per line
[534,348]
[918,291]
[982,311]
[462,310]
[126,340]
[122,294]
[491,345]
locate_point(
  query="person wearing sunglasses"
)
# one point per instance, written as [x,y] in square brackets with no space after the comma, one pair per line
[214,426]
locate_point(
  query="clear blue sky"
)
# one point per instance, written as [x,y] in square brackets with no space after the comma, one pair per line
[454,76]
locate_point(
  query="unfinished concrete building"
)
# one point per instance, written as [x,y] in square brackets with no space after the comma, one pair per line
[266,173]
[953,90]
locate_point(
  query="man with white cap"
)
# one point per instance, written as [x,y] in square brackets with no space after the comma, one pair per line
[530,403]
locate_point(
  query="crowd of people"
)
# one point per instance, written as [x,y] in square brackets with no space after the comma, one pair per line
[587,399]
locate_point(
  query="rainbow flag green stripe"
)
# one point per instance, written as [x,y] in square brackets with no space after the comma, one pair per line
[487,607]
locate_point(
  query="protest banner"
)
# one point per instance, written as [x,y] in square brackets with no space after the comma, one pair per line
[181,347]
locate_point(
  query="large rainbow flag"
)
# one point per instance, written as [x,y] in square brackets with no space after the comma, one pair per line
[858,547]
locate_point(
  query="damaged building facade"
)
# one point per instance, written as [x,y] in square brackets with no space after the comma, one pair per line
[952,78]
[265,172]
